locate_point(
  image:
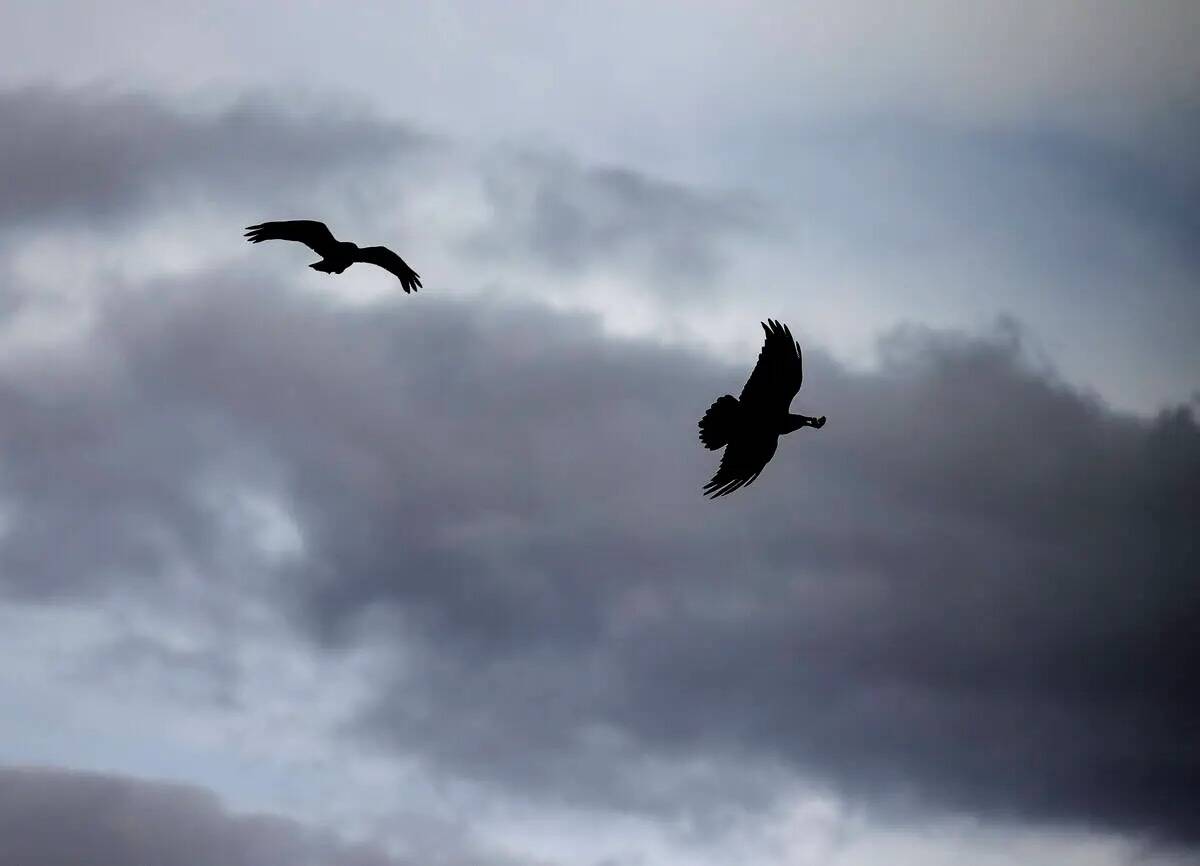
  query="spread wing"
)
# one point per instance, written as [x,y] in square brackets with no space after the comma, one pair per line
[389,261]
[740,465]
[778,373]
[313,234]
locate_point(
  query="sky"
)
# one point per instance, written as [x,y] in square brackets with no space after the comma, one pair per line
[299,569]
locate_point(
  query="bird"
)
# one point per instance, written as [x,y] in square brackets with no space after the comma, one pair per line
[749,427]
[335,255]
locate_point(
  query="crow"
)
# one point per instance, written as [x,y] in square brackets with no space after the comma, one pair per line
[749,427]
[335,255]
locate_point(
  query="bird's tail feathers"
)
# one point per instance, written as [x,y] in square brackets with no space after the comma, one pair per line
[717,424]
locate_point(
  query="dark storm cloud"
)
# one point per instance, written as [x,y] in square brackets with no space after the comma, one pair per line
[571,218]
[974,587]
[91,154]
[60,818]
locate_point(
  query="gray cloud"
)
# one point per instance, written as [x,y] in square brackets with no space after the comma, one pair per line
[570,218]
[92,154]
[972,592]
[98,158]
[63,818]
[684,74]
[886,218]
[973,588]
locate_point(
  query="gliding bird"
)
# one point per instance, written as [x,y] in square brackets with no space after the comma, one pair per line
[335,255]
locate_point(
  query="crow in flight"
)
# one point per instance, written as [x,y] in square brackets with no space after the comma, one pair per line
[335,255]
[749,427]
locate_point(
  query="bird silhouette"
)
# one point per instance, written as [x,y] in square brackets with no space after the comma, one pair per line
[335,255]
[749,427]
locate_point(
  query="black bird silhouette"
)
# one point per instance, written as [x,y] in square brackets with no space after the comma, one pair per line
[749,428]
[335,255]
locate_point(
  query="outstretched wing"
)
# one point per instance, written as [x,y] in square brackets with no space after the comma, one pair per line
[740,465]
[389,261]
[313,234]
[779,372]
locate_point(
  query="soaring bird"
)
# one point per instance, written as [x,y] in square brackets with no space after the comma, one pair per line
[749,427]
[335,255]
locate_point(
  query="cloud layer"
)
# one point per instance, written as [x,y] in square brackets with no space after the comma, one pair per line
[971,588]
[63,818]
[456,540]
[94,155]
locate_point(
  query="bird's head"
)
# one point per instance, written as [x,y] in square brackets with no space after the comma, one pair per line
[795,422]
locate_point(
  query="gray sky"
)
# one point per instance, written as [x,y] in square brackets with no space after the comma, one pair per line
[297,568]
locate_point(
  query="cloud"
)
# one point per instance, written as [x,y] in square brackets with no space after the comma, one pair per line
[971,591]
[881,219]
[56,817]
[95,155]
[65,818]
[685,72]
[571,218]
[103,160]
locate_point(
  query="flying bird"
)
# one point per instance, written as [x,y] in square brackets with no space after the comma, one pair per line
[749,427]
[335,255]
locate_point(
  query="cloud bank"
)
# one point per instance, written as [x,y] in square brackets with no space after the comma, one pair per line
[971,588]
[971,594]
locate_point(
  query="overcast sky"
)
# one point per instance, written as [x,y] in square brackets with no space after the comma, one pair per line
[298,569]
